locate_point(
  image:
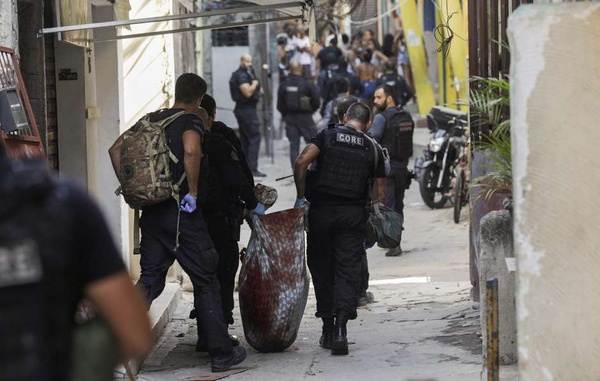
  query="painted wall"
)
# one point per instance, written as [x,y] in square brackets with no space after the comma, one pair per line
[554,113]
[108,126]
[9,25]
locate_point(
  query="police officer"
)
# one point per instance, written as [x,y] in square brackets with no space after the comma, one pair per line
[345,158]
[393,128]
[56,248]
[297,100]
[245,92]
[230,192]
[402,91]
[164,224]
[332,116]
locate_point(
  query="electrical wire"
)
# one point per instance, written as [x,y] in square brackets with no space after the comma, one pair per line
[443,33]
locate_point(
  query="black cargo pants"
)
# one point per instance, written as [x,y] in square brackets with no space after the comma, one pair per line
[335,253]
[197,257]
[222,234]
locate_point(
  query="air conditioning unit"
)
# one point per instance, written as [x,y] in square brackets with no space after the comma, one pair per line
[12,113]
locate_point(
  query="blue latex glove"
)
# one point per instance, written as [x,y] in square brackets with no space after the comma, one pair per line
[300,202]
[188,203]
[259,210]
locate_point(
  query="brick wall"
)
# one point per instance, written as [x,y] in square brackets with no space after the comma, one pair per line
[36,60]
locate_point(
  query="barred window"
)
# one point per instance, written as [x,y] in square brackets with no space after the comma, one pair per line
[237,36]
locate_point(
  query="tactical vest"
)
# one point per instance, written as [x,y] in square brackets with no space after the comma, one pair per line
[398,134]
[242,76]
[294,88]
[218,149]
[36,269]
[345,164]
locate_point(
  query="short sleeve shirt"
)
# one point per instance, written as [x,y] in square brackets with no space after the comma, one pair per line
[241,77]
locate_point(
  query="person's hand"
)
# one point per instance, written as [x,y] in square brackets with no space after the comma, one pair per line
[300,202]
[188,203]
[259,210]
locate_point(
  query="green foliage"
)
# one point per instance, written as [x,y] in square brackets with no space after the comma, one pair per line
[498,178]
[489,105]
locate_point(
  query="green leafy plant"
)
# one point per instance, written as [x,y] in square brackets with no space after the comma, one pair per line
[489,104]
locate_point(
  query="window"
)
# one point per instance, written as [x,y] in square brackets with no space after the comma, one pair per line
[230,36]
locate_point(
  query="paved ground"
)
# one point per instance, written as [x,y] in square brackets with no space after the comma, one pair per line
[422,325]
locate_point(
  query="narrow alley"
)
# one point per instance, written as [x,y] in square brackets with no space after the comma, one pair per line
[422,325]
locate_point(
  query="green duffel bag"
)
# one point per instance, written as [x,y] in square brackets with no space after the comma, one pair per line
[95,351]
[384,227]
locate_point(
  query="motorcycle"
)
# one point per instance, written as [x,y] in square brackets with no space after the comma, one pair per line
[436,168]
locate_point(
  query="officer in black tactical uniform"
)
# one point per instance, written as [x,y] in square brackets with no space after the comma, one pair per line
[402,91]
[332,116]
[169,223]
[230,193]
[55,249]
[393,128]
[245,92]
[297,100]
[346,161]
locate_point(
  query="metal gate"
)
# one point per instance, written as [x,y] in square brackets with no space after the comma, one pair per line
[24,141]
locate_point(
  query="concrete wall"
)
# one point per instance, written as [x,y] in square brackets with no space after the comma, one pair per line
[109,101]
[9,25]
[496,243]
[554,112]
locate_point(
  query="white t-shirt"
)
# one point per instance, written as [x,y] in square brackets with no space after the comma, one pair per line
[305,57]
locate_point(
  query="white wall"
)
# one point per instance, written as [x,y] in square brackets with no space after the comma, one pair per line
[9,26]
[109,100]
[554,113]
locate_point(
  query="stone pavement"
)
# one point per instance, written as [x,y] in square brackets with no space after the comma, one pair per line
[422,325]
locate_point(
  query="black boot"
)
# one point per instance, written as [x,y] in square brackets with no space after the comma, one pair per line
[340,340]
[326,340]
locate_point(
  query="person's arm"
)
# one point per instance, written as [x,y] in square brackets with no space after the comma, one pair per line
[106,281]
[308,155]
[124,311]
[381,190]
[377,128]
[115,156]
[248,89]
[192,158]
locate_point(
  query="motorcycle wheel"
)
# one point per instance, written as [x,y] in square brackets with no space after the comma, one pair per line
[433,198]
[458,195]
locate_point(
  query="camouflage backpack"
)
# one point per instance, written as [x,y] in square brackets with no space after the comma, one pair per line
[145,175]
